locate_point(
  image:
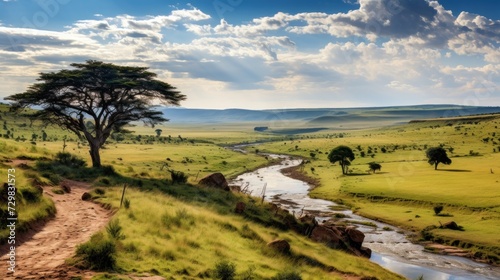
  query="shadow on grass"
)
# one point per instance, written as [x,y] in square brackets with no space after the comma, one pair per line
[224,202]
[357,174]
[454,170]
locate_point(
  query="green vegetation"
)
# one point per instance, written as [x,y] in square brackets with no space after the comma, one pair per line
[108,95]
[405,193]
[436,156]
[343,155]
[171,227]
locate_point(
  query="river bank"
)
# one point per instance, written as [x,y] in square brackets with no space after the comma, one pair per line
[389,244]
[414,235]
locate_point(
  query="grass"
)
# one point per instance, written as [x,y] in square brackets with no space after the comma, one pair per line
[185,236]
[407,188]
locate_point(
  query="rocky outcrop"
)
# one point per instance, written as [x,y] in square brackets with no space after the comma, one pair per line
[348,239]
[451,225]
[215,180]
[280,245]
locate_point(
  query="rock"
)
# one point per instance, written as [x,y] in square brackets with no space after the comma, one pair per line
[86,196]
[451,225]
[365,252]
[215,180]
[66,188]
[323,234]
[355,236]
[240,207]
[235,189]
[280,245]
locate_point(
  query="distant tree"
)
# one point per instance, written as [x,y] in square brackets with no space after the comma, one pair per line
[436,156]
[343,155]
[438,209]
[44,135]
[107,95]
[158,132]
[374,166]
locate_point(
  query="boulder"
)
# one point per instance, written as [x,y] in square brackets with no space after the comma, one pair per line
[355,237]
[240,207]
[280,245]
[323,234]
[451,225]
[365,252]
[215,180]
[86,196]
[66,188]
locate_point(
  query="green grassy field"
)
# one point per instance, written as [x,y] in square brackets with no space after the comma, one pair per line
[175,230]
[407,188]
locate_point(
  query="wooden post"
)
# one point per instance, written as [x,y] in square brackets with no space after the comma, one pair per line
[123,194]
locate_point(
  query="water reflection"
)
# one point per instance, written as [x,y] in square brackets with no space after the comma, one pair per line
[391,249]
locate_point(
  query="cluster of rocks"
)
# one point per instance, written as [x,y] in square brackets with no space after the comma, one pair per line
[346,238]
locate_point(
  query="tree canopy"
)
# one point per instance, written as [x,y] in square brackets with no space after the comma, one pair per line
[96,98]
[343,155]
[374,166]
[437,155]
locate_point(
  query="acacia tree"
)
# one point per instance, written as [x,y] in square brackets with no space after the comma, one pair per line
[437,155]
[343,155]
[97,98]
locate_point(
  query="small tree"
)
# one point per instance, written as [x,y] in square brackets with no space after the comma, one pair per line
[343,155]
[374,166]
[436,156]
[438,209]
[158,132]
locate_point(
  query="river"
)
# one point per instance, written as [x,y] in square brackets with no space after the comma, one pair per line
[390,247]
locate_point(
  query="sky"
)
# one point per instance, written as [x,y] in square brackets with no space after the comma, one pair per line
[268,54]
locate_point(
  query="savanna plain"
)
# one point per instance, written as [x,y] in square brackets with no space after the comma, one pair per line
[167,225]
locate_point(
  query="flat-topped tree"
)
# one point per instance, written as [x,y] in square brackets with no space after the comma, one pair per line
[108,95]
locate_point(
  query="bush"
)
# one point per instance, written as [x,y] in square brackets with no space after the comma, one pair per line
[225,270]
[438,209]
[98,253]
[126,203]
[291,275]
[115,230]
[178,177]
[70,160]
[31,195]
[182,217]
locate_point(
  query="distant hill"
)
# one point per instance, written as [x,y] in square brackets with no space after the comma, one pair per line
[325,116]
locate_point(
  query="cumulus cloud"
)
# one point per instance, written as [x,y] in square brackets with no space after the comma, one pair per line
[401,50]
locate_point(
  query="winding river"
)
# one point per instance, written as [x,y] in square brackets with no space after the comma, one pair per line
[390,247]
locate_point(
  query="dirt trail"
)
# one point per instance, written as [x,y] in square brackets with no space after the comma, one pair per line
[43,255]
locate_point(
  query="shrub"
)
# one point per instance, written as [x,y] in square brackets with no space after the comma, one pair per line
[438,209]
[70,160]
[225,270]
[98,253]
[182,217]
[114,229]
[287,275]
[126,203]
[178,177]
[30,195]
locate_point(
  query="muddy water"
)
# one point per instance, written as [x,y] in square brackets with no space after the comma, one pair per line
[391,249]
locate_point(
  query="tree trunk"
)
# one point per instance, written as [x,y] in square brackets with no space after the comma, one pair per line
[436,165]
[94,154]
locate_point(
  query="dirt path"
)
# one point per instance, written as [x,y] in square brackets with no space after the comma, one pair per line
[43,255]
